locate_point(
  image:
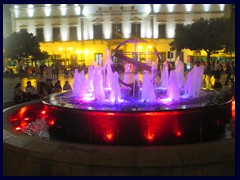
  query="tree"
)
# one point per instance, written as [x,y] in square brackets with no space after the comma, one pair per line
[210,35]
[22,45]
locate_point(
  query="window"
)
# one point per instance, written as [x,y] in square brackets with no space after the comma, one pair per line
[39,33]
[116,31]
[56,34]
[162,31]
[97,31]
[98,58]
[170,55]
[73,33]
[136,30]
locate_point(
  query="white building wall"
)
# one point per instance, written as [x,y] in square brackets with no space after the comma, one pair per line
[170,26]
[64,29]
[47,30]
[79,31]
[126,25]
[107,26]
[155,27]
[31,27]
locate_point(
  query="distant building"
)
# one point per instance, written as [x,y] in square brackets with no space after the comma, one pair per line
[7,28]
[81,33]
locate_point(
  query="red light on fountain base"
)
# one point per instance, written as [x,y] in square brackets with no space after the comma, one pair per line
[18,128]
[178,133]
[150,137]
[51,122]
[109,136]
[233,110]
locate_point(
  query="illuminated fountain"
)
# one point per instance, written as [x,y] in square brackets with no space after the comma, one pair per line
[106,107]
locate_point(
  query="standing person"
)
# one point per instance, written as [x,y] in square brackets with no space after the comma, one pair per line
[57,70]
[233,67]
[208,75]
[58,87]
[41,70]
[67,86]
[53,71]
[48,73]
[19,95]
[217,75]
[48,88]
[65,72]
[229,71]
[31,91]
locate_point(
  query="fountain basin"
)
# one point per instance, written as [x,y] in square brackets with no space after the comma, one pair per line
[27,155]
[137,124]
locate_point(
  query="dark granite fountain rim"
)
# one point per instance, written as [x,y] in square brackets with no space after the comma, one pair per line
[210,99]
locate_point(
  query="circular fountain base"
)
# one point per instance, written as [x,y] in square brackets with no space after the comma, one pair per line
[28,155]
[192,121]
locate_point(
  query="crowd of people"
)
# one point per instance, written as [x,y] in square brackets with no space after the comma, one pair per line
[27,95]
[212,70]
[47,87]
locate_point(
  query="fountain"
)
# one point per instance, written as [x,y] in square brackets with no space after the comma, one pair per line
[107,108]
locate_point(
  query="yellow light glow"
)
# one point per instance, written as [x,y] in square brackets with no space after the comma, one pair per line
[64,35]
[86,51]
[85,11]
[78,51]
[188,7]
[77,10]
[156,8]
[221,7]
[60,49]
[148,9]
[70,48]
[107,34]
[170,7]
[206,7]
[30,6]
[63,9]
[149,47]
[139,47]
[30,10]
[47,10]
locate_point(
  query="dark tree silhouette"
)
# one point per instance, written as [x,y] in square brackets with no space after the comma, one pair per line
[210,35]
[23,45]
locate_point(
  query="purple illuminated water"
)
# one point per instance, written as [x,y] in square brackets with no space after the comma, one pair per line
[164,75]
[173,88]
[102,84]
[194,82]
[179,71]
[148,92]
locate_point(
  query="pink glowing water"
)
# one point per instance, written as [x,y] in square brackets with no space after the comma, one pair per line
[102,84]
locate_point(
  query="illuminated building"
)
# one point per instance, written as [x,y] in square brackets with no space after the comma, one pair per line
[81,33]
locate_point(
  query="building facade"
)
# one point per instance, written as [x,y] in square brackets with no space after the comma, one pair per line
[81,33]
